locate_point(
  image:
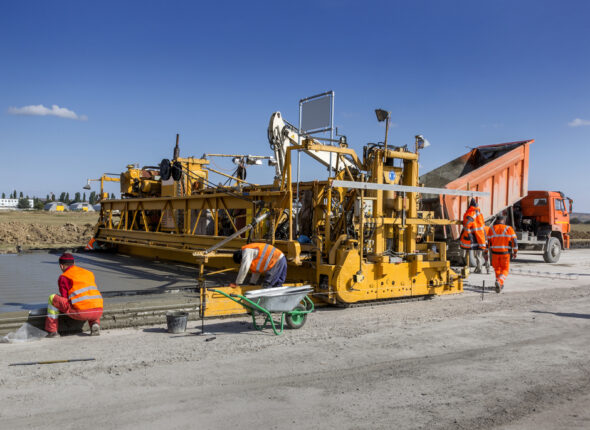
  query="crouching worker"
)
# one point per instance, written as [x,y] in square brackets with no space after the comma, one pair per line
[78,297]
[261,258]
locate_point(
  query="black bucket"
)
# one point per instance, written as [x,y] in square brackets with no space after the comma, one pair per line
[176,321]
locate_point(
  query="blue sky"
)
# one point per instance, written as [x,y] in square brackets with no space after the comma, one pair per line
[133,74]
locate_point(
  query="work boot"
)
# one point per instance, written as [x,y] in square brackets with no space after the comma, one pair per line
[95,330]
[498,287]
[52,334]
[477,270]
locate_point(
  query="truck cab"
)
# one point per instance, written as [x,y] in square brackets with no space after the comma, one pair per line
[542,218]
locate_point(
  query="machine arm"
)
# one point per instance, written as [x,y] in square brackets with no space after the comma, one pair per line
[281,135]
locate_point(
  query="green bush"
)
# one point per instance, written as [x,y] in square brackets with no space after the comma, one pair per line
[23,203]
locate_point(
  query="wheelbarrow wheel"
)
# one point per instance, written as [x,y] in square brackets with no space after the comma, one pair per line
[295,321]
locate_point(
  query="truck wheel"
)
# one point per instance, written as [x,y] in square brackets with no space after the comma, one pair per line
[552,250]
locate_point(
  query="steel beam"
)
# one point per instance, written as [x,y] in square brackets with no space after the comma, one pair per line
[406,188]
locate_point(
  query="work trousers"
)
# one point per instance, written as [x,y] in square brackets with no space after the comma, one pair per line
[58,304]
[277,274]
[477,256]
[501,263]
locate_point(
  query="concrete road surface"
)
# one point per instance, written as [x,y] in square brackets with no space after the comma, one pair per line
[516,360]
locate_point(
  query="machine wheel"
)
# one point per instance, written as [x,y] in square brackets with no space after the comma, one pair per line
[295,321]
[176,171]
[552,250]
[165,169]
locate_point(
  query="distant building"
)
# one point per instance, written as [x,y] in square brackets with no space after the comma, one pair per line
[12,203]
[8,203]
[82,206]
[56,207]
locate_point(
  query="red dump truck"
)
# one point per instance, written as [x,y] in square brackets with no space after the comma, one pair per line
[540,218]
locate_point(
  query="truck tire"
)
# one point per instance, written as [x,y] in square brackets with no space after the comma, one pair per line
[552,250]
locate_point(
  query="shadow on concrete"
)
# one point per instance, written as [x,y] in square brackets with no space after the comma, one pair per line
[228,327]
[477,289]
[565,314]
[527,261]
[155,330]
[171,275]
[26,306]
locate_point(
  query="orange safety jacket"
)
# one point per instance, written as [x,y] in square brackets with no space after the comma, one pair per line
[502,240]
[473,234]
[267,257]
[84,294]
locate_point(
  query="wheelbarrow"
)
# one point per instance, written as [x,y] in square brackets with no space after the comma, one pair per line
[291,302]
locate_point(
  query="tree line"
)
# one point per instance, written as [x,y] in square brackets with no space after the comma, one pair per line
[64,197]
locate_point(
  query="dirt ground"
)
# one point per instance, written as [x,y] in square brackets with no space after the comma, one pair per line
[44,230]
[580,231]
[515,360]
[47,230]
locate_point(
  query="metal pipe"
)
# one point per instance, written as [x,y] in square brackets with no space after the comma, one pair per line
[261,157]
[229,176]
[362,226]
[316,96]
[331,128]
[386,132]
[298,165]
[236,234]
[217,272]
[176,148]
[406,188]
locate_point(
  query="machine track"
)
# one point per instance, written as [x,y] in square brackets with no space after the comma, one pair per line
[383,302]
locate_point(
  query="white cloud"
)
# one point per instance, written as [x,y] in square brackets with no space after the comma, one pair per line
[40,110]
[578,122]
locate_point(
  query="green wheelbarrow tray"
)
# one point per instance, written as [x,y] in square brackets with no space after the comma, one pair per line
[291,302]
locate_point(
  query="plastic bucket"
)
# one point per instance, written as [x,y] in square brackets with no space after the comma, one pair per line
[176,321]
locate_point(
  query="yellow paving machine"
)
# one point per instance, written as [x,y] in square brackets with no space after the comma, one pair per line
[356,236]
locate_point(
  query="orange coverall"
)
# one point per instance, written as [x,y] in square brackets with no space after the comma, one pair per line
[502,244]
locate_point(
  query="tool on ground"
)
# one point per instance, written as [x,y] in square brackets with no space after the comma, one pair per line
[291,303]
[32,363]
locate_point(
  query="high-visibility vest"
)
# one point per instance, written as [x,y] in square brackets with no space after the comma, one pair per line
[84,294]
[473,234]
[502,239]
[267,257]
[90,244]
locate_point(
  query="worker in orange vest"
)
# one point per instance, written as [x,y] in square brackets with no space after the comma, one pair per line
[78,297]
[473,234]
[261,258]
[503,244]
[487,255]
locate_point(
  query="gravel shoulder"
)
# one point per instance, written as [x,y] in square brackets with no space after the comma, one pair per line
[516,360]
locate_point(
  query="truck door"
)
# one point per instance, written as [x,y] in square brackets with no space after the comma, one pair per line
[562,220]
[561,213]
